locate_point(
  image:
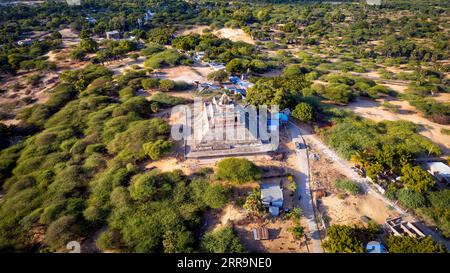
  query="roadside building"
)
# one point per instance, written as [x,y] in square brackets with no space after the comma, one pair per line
[241,83]
[439,170]
[198,56]
[113,35]
[272,197]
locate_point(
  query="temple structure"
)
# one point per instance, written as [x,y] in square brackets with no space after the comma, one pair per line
[224,128]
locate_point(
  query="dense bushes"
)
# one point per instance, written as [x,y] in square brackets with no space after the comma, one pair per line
[281,91]
[164,100]
[343,239]
[406,244]
[347,185]
[303,112]
[222,240]
[343,88]
[37,114]
[354,134]
[238,170]
[61,179]
[166,58]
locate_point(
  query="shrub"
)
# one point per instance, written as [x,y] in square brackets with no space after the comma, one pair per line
[238,170]
[126,93]
[347,185]
[343,239]
[61,232]
[297,231]
[166,85]
[218,76]
[150,83]
[212,195]
[222,240]
[165,58]
[157,148]
[406,244]
[303,112]
[338,92]
[410,199]
[165,100]
[416,179]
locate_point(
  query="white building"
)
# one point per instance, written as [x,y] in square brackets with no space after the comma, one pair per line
[439,170]
[113,35]
[272,197]
[373,2]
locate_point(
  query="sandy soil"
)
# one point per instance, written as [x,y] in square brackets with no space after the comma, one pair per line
[12,101]
[281,240]
[193,30]
[373,110]
[123,65]
[342,211]
[442,97]
[349,210]
[69,37]
[234,34]
[188,74]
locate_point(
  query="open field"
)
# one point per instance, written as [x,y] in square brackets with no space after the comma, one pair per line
[234,34]
[187,74]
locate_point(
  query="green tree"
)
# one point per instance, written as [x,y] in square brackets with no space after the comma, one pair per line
[253,202]
[237,66]
[88,45]
[410,199]
[166,85]
[406,244]
[303,112]
[343,239]
[238,170]
[212,195]
[222,240]
[218,76]
[157,148]
[179,240]
[297,231]
[416,179]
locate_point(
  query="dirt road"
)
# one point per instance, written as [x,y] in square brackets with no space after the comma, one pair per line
[301,177]
[345,167]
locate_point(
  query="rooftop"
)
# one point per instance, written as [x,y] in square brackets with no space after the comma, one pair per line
[271,195]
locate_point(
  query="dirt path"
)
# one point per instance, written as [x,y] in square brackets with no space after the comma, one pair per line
[301,176]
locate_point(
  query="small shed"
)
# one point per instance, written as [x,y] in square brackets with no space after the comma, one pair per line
[260,233]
